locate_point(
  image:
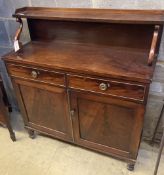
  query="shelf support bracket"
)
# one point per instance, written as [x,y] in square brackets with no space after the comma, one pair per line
[17,43]
[152,53]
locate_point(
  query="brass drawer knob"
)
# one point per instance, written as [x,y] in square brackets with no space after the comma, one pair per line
[103,86]
[34,74]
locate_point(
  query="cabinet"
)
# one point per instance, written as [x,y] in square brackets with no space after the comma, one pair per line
[84,77]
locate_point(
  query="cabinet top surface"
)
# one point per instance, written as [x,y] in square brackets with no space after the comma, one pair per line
[111,62]
[98,15]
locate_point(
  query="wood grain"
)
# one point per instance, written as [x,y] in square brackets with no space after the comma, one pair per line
[84,77]
[44,107]
[106,124]
[115,62]
[92,15]
[42,75]
[123,90]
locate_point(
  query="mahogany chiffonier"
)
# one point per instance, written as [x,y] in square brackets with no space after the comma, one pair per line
[84,77]
[4,109]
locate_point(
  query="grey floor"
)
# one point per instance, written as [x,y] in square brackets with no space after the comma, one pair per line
[47,156]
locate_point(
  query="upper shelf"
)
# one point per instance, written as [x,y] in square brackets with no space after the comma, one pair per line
[93,15]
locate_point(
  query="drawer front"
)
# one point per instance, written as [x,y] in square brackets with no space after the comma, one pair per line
[36,74]
[107,87]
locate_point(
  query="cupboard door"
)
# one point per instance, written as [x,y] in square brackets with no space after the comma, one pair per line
[45,108]
[107,125]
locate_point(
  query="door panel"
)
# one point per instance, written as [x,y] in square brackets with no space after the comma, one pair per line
[106,124]
[45,108]
[102,122]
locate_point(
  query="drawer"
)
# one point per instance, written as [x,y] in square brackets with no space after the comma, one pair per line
[36,74]
[107,87]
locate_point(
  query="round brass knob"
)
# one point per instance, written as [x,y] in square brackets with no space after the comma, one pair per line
[103,86]
[34,74]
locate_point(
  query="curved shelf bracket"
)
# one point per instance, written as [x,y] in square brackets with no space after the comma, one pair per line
[152,53]
[19,30]
[17,43]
